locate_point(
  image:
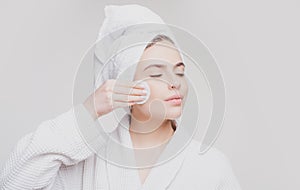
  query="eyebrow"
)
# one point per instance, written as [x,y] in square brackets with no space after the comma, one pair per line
[163,65]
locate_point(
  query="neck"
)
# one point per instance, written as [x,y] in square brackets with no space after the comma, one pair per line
[150,133]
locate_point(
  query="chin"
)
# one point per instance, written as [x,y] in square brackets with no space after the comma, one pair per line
[174,113]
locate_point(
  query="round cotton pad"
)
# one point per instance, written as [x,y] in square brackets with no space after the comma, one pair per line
[147,88]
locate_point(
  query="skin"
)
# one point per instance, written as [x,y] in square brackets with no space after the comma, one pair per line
[150,122]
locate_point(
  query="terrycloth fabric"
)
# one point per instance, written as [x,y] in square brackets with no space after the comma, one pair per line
[61,152]
[56,157]
[122,38]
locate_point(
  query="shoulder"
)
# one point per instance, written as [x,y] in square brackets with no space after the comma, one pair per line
[211,153]
[211,169]
[213,160]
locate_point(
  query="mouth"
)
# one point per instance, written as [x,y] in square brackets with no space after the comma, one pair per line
[176,96]
[175,99]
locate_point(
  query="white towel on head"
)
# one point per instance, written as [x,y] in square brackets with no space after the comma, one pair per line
[122,38]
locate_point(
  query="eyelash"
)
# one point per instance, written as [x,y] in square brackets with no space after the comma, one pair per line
[161,74]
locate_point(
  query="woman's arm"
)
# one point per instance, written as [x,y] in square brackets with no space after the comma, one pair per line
[64,140]
[37,157]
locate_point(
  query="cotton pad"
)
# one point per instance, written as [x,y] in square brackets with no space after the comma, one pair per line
[147,88]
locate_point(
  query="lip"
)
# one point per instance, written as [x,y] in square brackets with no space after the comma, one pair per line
[176,96]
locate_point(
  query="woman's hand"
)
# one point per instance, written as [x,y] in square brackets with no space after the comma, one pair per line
[113,94]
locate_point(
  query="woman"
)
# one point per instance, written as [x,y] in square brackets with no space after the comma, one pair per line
[58,156]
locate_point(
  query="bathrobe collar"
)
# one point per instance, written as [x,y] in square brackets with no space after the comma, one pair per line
[160,176]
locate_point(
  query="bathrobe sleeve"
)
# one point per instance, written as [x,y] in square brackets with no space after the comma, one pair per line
[37,157]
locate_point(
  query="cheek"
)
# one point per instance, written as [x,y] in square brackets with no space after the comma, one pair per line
[155,104]
[184,87]
[157,90]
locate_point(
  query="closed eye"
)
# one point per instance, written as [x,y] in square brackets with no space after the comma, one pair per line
[158,75]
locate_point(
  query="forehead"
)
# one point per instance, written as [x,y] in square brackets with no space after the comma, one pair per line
[164,51]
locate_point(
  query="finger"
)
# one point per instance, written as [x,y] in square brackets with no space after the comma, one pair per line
[121,104]
[129,84]
[127,98]
[129,91]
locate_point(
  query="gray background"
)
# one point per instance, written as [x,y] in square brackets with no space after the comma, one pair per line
[256,44]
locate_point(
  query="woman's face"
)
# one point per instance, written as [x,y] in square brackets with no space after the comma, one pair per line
[161,66]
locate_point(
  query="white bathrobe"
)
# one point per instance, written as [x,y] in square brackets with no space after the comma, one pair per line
[61,152]
[57,157]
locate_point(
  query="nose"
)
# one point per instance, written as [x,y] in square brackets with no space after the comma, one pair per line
[174,85]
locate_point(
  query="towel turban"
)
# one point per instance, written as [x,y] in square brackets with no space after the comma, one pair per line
[123,36]
[122,39]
